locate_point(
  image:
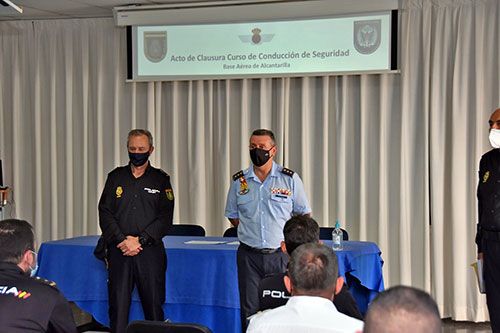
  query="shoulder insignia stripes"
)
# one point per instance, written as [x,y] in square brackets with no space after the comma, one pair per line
[46,282]
[238,175]
[287,172]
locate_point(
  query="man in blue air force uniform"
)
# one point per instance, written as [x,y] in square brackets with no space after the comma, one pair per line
[260,201]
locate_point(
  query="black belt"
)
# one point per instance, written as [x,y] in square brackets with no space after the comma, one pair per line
[261,251]
[490,235]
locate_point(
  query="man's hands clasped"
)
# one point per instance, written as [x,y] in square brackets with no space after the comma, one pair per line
[130,246]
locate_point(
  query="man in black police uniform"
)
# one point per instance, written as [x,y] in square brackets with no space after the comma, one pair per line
[300,230]
[27,304]
[135,213]
[488,228]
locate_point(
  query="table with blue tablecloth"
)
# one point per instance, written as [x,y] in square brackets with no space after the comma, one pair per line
[202,283]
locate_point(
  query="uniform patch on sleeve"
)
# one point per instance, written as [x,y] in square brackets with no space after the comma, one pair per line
[170,194]
[243,186]
[486,176]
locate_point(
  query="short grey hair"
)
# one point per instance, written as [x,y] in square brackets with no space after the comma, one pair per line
[313,268]
[139,132]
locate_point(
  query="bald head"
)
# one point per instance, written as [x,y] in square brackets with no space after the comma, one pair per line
[399,308]
[494,121]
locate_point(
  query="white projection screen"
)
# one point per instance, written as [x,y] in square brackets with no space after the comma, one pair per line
[346,44]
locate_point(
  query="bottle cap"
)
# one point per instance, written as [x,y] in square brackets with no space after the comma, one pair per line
[337,224]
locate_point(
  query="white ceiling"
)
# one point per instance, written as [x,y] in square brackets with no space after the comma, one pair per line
[61,9]
[57,9]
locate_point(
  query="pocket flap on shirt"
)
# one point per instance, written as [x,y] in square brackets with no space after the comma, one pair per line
[280,198]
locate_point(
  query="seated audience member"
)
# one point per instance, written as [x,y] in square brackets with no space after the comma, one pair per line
[27,304]
[313,281]
[272,291]
[403,309]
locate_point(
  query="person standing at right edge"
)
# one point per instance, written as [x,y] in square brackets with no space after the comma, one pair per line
[259,202]
[488,228]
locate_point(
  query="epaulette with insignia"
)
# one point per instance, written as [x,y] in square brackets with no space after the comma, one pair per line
[288,172]
[238,175]
[46,282]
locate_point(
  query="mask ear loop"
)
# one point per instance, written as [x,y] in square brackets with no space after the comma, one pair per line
[269,151]
[34,270]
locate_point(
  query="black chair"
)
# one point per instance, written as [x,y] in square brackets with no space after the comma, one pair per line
[148,326]
[325,233]
[231,232]
[186,230]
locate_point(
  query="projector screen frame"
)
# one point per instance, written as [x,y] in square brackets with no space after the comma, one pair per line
[393,54]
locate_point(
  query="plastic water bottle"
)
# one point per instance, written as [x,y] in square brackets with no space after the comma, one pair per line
[337,237]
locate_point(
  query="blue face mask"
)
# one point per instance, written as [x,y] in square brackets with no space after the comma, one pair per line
[33,270]
[138,159]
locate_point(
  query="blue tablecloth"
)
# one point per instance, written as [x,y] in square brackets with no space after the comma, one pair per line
[202,284]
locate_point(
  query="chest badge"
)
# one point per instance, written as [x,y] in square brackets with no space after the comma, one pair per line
[119,192]
[243,186]
[281,192]
[170,194]
[486,176]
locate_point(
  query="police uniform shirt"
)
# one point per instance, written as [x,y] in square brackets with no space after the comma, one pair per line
[141,206]
[264,207]
[488,191]
[273,293]
[31,305]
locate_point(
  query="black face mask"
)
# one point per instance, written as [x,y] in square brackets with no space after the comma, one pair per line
[259,156]
[138,159]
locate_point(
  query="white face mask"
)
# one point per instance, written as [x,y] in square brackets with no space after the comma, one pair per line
[495,138]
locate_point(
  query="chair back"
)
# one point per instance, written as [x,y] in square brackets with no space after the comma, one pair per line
[186,230]
[231,232]
[325,233]
[148,326]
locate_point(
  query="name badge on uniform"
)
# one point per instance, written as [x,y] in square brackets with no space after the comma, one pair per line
[151,190]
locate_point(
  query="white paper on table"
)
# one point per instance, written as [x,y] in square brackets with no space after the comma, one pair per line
[204,242]
[233,243]
[478,269]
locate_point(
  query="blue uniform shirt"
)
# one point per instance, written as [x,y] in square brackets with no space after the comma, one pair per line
[264,207]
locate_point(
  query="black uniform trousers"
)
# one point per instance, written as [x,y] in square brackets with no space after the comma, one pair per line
[147,271]
[491,252]
[253,266]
